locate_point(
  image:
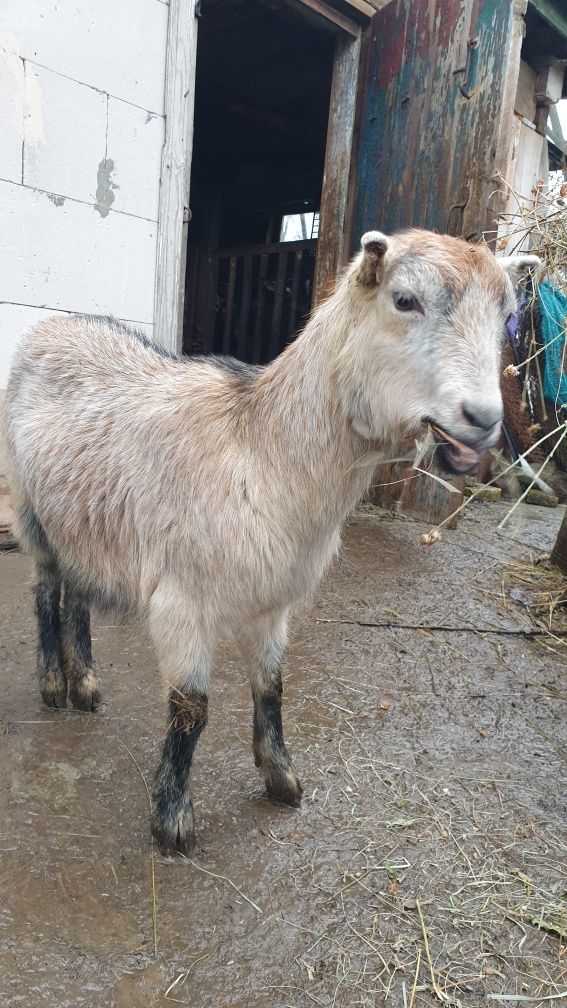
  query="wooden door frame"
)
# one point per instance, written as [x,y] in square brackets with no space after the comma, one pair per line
[174,214]
[335,222]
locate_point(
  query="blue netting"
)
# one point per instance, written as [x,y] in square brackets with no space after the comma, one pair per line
[553,311]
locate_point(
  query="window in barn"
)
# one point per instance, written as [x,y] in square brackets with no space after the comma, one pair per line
[299,226]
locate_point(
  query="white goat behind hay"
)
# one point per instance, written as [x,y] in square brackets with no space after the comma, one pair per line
[209,495]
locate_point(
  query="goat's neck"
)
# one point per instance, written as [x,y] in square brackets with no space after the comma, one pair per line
[302,424]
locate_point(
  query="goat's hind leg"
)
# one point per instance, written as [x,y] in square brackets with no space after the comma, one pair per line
[52,679]
[76,652]
[270,753]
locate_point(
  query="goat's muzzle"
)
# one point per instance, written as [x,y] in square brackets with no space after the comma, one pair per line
[458,457]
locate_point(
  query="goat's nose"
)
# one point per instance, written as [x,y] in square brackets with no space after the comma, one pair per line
[479,415]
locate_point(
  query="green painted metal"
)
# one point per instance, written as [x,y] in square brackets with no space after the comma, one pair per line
[435,92]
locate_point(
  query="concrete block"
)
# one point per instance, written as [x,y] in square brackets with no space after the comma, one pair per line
[11,111]
[15,320]
[67,158]
[117,49]
[65,255]
[135,141]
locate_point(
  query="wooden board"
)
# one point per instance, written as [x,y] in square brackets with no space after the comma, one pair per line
[175,174]
[398,488]
[559,552]
[437,112]
[334,232]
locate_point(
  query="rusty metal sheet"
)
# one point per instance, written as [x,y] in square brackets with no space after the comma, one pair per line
[436,109]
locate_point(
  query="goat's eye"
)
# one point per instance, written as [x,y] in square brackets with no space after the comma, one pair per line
[509,318]
[407,302]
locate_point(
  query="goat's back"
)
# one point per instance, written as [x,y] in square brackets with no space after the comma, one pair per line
[109,444]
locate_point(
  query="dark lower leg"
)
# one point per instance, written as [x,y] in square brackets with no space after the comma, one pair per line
[173,822]
[52,681]
[270,753]
[76,652]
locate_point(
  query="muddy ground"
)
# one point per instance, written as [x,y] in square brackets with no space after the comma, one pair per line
[427,863]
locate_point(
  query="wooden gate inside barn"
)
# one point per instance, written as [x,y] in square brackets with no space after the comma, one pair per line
[275,100]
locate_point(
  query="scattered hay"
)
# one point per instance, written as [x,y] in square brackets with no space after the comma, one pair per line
[451,930]
[436,891]
[541,588]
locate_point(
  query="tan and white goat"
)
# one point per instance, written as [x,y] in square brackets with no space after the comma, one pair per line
[209,495]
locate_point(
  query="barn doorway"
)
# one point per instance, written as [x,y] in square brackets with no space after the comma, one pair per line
[262,97]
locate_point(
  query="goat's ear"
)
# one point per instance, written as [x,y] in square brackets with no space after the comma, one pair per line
[374,246]
[518,266]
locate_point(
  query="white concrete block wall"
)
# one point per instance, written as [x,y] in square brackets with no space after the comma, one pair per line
[81,135]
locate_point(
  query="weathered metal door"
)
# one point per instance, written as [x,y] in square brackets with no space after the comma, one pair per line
[437,107]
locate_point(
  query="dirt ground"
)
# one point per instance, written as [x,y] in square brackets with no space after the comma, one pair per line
[427,863]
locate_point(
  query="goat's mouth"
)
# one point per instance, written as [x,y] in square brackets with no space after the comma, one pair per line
[457,457]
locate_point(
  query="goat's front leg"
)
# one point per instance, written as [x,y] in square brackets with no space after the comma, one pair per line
[186,666]
[266,653]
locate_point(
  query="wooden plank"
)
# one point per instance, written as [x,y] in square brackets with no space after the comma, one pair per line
[426,500]
[553,11]
[376,4]
[298,259]
[276,333]
[333,246]
[244,307]
[429,156]
[559,551]
[259,322]
[326,17]
[173,214]
[398,487]
[229,305]
[274,249]
[387,485]
[209,304]
[367,7]
[525,104]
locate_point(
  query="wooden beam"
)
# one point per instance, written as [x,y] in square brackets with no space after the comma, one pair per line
[367,7]
[325,17]
[334,240]
[308,244]
[559,552]
[174,216]
[553,11]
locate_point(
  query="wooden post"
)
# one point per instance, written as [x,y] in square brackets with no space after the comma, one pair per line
[174,216]
[559,551]
[333,244]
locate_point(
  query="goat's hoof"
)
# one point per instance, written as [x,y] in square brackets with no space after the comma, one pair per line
[285,789]
[84,693]
[53,688]
[174,833]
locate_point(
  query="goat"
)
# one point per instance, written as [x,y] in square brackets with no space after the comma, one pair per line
[209,496]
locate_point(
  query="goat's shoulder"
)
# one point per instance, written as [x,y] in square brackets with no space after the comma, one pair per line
[241,374]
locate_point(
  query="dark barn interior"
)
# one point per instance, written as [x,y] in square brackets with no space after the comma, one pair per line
[262,105]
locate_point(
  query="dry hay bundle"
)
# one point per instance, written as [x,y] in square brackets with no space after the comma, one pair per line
[541,224]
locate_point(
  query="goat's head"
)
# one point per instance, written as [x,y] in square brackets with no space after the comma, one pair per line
[431,313]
